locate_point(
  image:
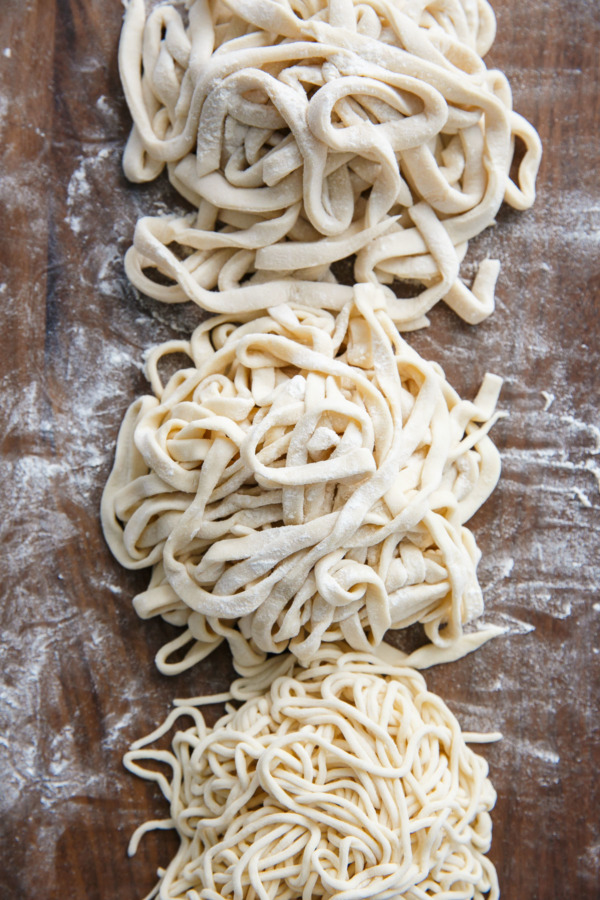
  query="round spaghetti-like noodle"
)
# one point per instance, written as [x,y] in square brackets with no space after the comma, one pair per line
[305,479]
[346,780]
[306,132]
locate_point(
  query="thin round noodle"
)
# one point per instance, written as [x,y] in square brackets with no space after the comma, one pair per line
[304,133]
[346,780]
[307,478]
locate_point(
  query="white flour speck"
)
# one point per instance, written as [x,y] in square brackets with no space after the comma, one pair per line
[549,399]
[583,498]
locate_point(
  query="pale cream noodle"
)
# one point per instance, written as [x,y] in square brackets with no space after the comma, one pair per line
[305,478]
[303,133]
[346,780]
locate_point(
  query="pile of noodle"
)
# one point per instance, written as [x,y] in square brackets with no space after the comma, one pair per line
[307,132]
[346,780]
[305,479]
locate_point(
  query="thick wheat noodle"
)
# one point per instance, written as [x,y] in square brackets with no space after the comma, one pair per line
[305,133]
[345,780]
[306,478]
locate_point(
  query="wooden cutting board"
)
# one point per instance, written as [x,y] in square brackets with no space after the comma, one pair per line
[77,665]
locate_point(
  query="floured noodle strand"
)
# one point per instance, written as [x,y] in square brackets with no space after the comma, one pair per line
[306,478]
[347,780]
[304,133]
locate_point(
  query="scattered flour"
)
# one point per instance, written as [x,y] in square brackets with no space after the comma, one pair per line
[583,498]
[549,398]
[80,189]
[538,751]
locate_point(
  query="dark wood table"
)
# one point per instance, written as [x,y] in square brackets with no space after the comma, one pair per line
[77,665]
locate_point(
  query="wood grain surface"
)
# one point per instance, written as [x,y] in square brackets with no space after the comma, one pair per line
[77,665]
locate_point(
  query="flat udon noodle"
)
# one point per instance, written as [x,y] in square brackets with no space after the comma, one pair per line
[306,479]
[305,133]
[347,780]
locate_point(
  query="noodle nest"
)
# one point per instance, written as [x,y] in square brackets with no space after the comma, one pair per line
[306,132]
[347,780]
[305,479]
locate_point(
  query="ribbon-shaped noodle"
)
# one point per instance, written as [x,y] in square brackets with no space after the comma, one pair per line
[306,479]
[306,133]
